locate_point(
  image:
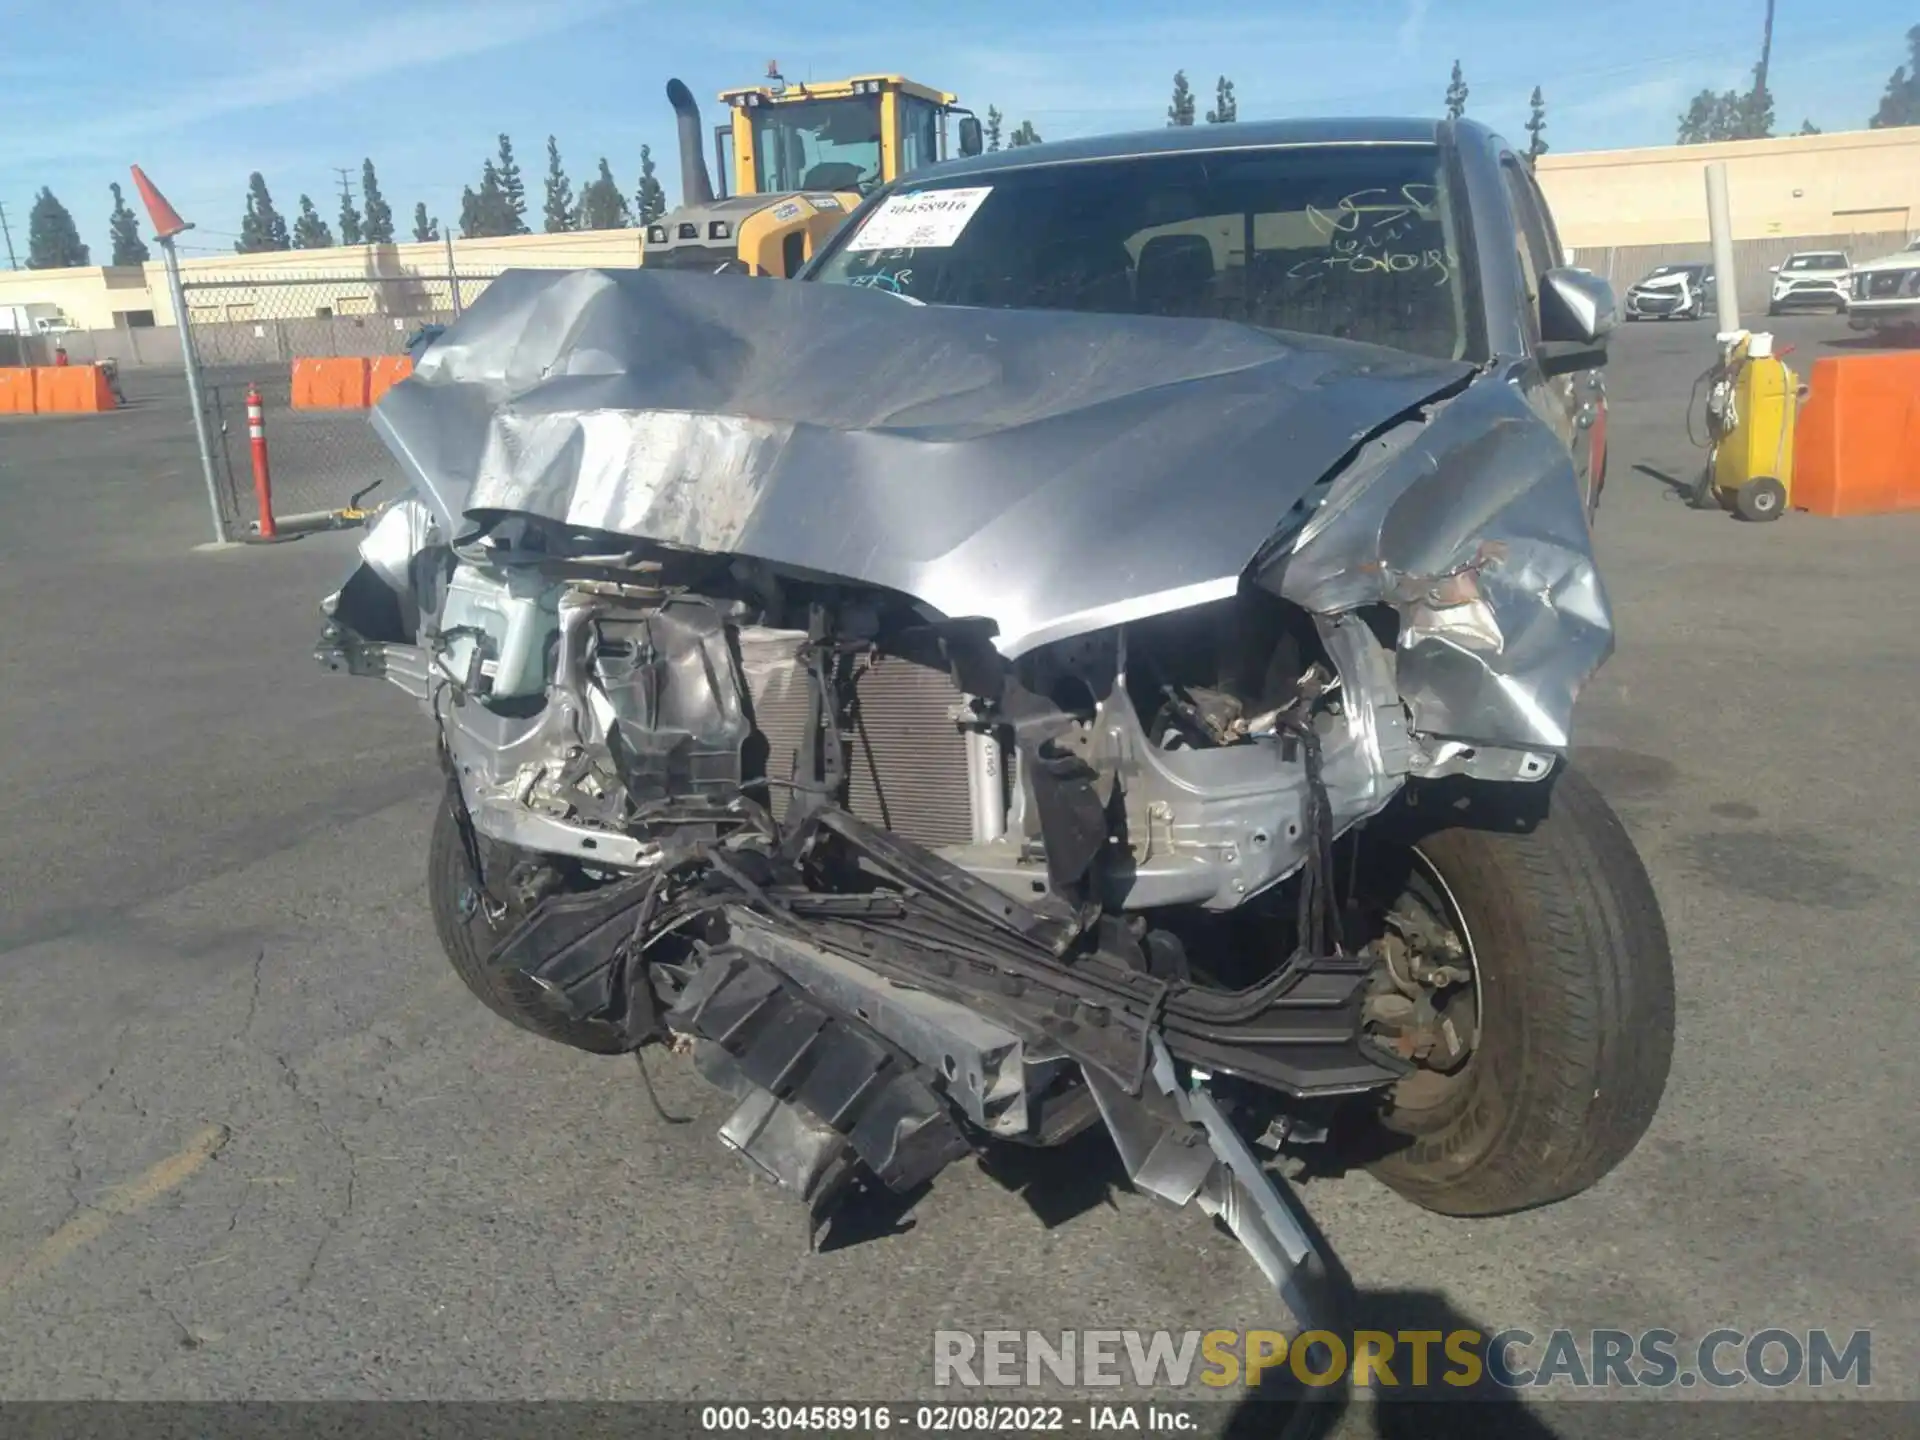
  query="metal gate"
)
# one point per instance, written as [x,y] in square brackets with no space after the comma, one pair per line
[246,332]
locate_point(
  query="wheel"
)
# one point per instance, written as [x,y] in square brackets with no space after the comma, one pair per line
[1772,310]
[471,922]
[1760,499]
[1568,1027]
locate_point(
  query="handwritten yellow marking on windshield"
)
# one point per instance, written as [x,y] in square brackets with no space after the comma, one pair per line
[95,1220]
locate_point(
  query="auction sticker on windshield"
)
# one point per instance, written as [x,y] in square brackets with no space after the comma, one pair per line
[929,219]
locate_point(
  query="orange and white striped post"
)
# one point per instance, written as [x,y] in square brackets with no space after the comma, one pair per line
[262,478]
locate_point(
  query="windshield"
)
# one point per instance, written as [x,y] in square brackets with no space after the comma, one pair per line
[1352,241]
[1816,262]
[817,145]
[1660,272]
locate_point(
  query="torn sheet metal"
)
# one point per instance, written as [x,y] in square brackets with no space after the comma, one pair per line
[1470,524]
[1055,473]
[1201,1158]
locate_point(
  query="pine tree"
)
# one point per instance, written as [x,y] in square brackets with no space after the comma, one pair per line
[310,232]
[53,241]
[262,227]
[490,212]
[1025,135]
[513,193]
[124,230]
[1180,112]
[423,228]
[603,205]
[1734,115]
[1900,104]
[559,191]
[379,213]
[1456,93]
[994,120]
[1807,127]
[351,232]
[1731,115]
[470,216]
[1226,109]
[1536,127]
[1705,119]
[649,201]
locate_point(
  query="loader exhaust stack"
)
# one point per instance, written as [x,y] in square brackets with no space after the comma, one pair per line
[696,186]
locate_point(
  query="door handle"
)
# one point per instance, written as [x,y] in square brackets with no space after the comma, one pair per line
[1585,416]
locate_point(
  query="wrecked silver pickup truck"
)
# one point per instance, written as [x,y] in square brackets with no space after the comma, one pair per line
[1129,687]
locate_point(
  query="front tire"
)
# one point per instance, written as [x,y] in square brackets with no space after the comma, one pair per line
[1576,1006]
[471,921]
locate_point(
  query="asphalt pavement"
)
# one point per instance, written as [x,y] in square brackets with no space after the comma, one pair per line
[259,1143]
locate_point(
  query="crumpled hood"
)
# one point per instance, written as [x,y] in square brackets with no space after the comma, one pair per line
[1679,280]
[1052,472]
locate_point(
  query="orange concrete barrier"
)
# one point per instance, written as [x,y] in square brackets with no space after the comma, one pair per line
[1857,446]
[330,384]
[304,372]
[16,390]
[66,390]
[386,372]
[84,390]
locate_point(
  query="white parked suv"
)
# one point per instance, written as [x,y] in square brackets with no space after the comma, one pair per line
[1886,292]
[1813,279]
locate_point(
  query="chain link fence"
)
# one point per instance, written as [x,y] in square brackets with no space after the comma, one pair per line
[247,333]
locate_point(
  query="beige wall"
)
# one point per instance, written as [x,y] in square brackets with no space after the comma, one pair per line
[90,298]
[1858,182]
[97,298]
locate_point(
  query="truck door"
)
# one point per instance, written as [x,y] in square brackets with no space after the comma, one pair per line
[1576,404]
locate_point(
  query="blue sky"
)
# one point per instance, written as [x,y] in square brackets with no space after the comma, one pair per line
[200,92]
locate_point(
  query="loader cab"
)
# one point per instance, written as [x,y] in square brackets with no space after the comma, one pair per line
[843,136]
[793,161]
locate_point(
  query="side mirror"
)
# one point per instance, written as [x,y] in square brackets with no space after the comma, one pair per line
[1577,314]
[971,140]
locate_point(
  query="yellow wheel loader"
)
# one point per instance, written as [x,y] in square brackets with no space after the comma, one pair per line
[793,160]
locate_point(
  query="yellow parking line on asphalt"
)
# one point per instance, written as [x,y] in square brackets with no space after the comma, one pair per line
[94,1220]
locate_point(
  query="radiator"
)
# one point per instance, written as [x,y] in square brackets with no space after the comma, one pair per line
[907,764]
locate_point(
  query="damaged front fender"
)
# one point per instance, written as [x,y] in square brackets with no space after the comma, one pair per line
[1469,525]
